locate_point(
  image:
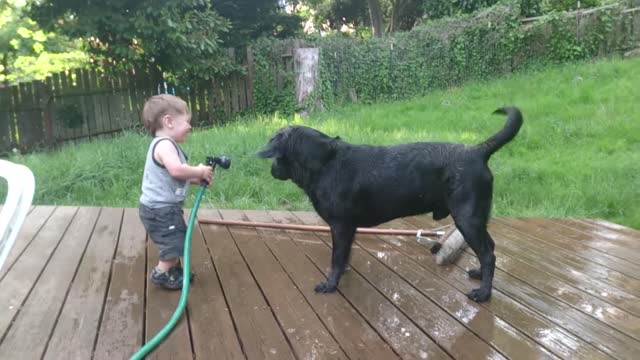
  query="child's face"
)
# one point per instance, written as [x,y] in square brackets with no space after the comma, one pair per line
[180,127]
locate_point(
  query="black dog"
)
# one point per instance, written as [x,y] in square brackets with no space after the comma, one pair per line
[361,185]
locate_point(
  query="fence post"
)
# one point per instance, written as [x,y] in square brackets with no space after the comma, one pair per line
[249,78]
[44,99]
[7,138]
[306,62]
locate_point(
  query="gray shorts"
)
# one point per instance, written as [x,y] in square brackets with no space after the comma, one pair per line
[167,229]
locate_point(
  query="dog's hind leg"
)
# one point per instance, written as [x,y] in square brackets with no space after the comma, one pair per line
[470,212]
[476,235]
[477,273]
[342,238]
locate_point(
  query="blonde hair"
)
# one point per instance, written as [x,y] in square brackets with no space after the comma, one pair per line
[156,107]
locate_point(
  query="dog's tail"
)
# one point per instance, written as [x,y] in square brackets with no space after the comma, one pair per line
[508,132]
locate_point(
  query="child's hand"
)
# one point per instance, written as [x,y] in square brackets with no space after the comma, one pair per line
[206,173]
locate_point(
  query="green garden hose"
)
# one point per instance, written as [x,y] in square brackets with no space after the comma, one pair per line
[166,330]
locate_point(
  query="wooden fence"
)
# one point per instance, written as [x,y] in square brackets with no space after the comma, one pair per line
[84,103]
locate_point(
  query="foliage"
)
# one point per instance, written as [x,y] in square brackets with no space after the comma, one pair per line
[558,38]
[449,51]
[411,63]
[37,67]
[27,52]
[186,40]
[530,8]
[273,82]
[403,15]
[336,13]
[443,53]
[182,38]
[398,15]
[568,5]
[445,8]
[252,19]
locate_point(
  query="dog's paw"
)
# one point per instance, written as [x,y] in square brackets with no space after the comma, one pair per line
[346,268]
[435,248]
[479,295]
[475,274]
[325,287]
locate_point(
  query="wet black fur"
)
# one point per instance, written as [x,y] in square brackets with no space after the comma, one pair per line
[361,186]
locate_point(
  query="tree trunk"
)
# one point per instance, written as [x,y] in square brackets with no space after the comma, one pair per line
[401,8]
[375,13]
[5,69]
[395,14]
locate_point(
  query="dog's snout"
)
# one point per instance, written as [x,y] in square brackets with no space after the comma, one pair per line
[265,153]
[280,169]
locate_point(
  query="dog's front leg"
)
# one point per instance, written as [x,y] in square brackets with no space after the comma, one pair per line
[342,238]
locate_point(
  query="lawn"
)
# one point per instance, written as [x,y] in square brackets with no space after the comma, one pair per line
[577,154]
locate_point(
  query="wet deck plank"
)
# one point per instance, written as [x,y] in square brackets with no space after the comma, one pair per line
[78,323]
[25,317]
[479,322]
[612,226]
[603,240]
[609,340]
[76,285]
[258,328]
[446,331]
[122,325]
[160,305]
[550,307]
[543,234]
[405,337]
[37,316]
[35,219]
[303,329]
[352,332]
[208,304]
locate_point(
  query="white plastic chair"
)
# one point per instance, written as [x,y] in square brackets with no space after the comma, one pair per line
[20,188]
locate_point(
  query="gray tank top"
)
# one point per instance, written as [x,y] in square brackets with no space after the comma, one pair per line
[159,188]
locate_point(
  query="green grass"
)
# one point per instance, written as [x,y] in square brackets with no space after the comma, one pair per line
[578,153]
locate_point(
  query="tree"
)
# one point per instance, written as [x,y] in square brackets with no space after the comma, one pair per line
[440,9]
[404,14]
[375,13]
[182,38]
[28,53]
[251,19]
[399,15]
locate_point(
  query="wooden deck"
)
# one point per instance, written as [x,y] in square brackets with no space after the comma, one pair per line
[75,287]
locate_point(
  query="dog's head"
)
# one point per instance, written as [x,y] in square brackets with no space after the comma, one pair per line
[297,152]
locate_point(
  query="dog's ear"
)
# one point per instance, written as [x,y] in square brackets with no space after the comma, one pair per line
[273,148]
[318,151]
[266,152]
